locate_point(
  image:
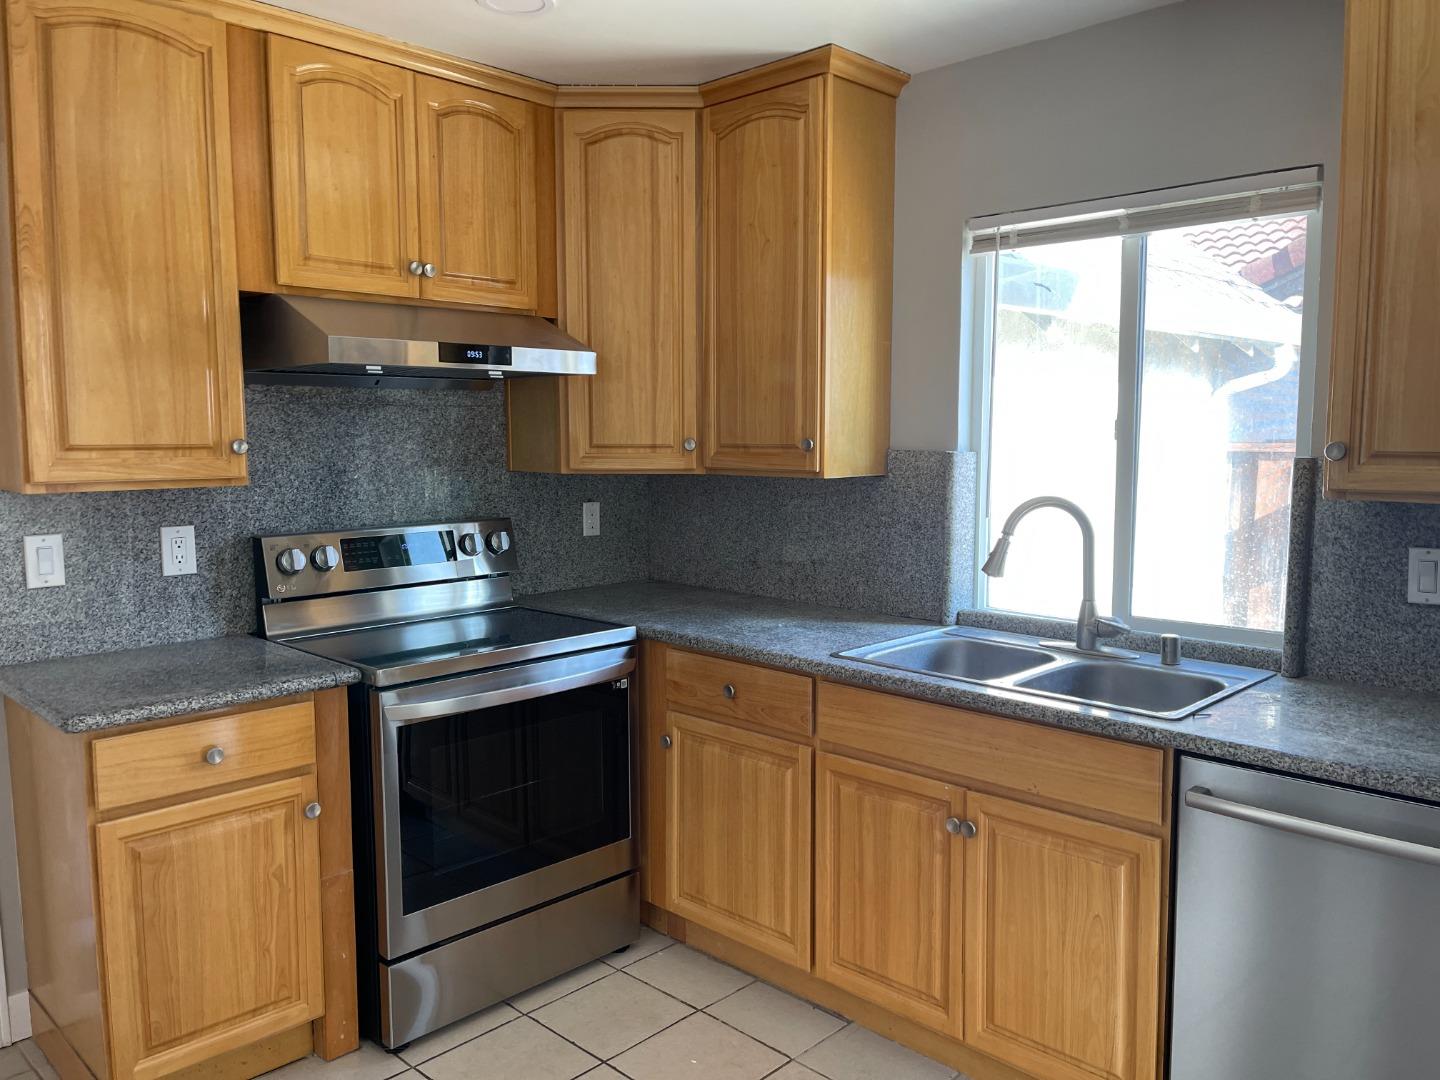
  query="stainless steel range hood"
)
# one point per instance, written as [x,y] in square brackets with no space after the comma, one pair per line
[309,339]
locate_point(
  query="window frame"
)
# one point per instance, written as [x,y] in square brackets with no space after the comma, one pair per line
[984,307]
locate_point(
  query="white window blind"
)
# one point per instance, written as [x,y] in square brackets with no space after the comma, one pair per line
[1009,231]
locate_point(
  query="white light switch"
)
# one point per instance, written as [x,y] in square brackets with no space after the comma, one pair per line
[1425,575]
[44,561]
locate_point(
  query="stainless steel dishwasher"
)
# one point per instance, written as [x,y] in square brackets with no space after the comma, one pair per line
[1307,936]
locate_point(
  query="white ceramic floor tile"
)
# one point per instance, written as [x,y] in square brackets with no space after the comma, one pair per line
[13,1063]
[452,1035]
[603,1072]
[795,1071]
[521,1048]
[558,987]
[775,1018]
[699,1048]
[38,1062]
[611,1015]
[368,1063]
[856,1053]
[650,943]
[690,976]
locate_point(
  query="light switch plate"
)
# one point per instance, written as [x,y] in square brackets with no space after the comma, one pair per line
[177,550]
[1425,575]
[44,561]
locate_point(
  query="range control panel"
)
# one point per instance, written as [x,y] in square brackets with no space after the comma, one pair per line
[317,564]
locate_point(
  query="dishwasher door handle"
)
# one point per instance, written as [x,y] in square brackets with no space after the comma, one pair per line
[1202,798]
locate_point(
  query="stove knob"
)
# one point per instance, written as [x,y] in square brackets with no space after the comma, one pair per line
[290,561]
[324,558]
[469,544]
[498,541]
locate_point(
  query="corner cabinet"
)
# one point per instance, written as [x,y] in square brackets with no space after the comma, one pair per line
[798,203]
[391,183]
[126,368]
[1384,434]
[628,196]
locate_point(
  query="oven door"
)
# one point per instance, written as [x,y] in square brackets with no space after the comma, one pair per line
[499,791]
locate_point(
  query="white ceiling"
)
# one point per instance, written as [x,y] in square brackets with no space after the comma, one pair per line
[690,41]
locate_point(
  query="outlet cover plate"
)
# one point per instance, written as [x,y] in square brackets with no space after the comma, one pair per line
[590,519]
[177,550]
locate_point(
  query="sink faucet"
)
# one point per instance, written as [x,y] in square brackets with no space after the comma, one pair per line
[1089,627]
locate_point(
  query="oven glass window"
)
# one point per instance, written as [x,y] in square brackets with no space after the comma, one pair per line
[487,796]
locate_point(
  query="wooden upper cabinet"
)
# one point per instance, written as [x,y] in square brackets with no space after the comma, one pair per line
[888,899]
[233,879]
[764,185]
[1385,376]
[630,233]
[798,205]
[477,194]
[738,835]
[1062,943]
[342,142]
[127,371]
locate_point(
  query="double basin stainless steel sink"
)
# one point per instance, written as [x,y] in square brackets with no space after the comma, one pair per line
[1132,684]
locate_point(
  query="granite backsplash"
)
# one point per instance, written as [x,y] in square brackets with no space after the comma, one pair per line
[321,458]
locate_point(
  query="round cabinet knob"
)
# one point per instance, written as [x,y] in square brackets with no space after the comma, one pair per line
[240,446]
[416,266]
[312,811]
[955,827]
[469,544]
[728,690]
[689,445]
[807,445]
[214,756]
[290,561]
[428,270]
[325,558]
[666,742]
[498,542]
[1336,451]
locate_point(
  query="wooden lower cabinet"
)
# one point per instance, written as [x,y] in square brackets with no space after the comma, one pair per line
[738,835]
[888,878]
[210,912]
[1062,943]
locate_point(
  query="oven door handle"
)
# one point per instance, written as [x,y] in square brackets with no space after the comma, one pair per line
[505,686]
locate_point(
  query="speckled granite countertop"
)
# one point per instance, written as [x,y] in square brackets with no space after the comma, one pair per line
[102,690]
[1383,740]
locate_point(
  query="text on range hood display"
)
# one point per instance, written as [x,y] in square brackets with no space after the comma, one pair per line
[305,338]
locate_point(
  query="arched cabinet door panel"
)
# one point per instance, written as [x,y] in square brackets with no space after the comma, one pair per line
[342,147]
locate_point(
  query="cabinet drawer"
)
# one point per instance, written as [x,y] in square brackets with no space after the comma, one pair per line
[730,690]
[1083,770]
[168,761]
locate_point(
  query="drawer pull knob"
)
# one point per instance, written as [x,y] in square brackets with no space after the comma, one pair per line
[312,811]
[666,742]
[728,690]
[955,827]
[1336,451]
[214,756]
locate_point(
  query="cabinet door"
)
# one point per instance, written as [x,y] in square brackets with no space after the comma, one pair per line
[477,194]
[1385,378]
[739,835]
[129,322]
[1062,943]
[210,925]
[630,288]
[342,148]
[764,162]
[887,889]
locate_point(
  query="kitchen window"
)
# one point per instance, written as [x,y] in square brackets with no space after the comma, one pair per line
[1149,363]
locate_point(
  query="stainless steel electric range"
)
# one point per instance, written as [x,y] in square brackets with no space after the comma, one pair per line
[491,761]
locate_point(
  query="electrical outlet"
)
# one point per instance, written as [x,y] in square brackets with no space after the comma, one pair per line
[177,550]
[44,561]
[590,519]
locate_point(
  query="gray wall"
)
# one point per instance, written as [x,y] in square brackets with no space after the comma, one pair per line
[1195,91]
